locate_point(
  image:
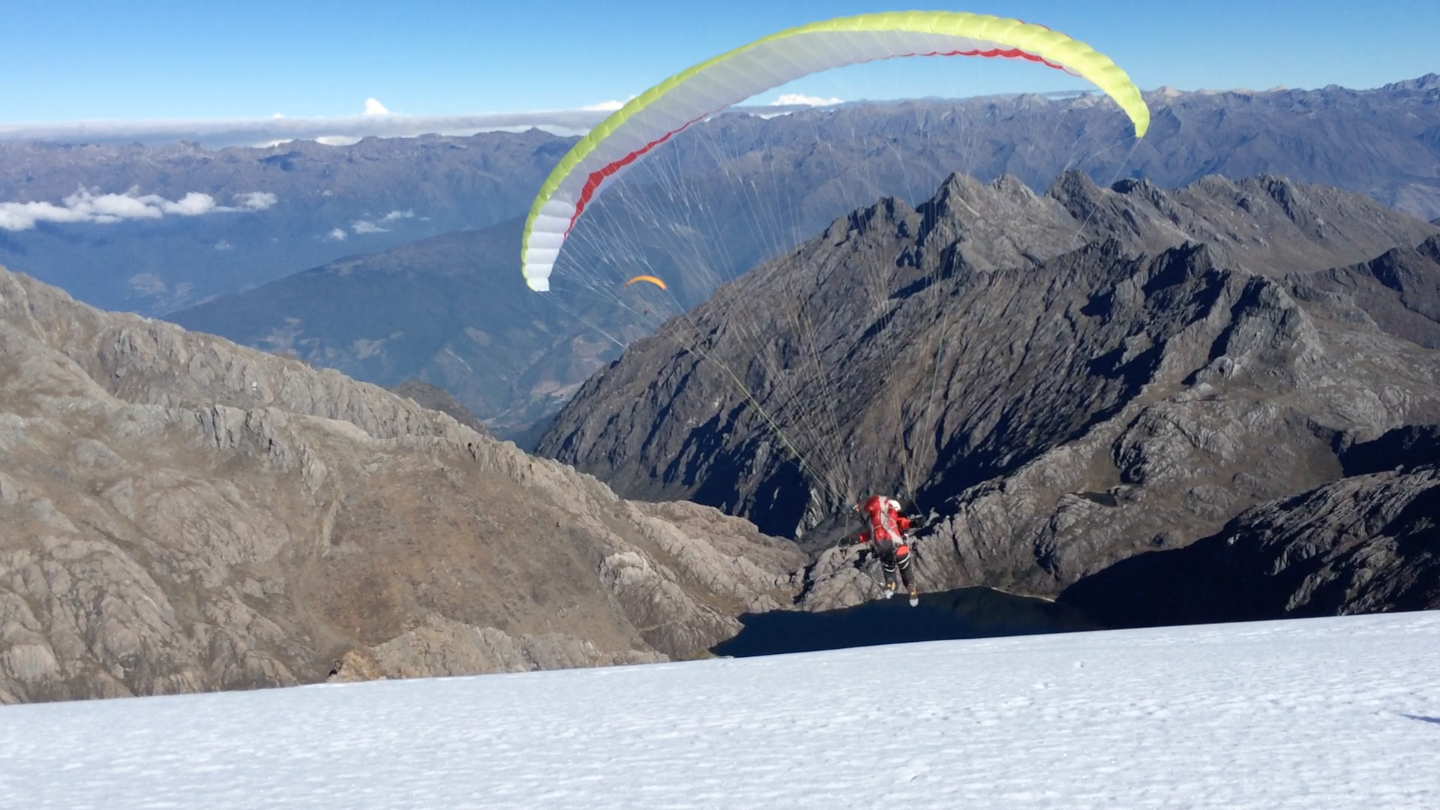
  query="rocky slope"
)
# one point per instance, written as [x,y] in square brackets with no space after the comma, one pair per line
[1065,407]
[183,514]
[438,399]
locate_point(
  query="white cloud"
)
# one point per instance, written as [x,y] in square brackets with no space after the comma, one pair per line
[790,99]
[362,226]
[336,235]
[153,286]
[365,226]
[109,208]
[255,201]
[87,206]
[337,140]
[224,245]
[605,106]
[23,216]
[191,205]
[374,107]
[147,284]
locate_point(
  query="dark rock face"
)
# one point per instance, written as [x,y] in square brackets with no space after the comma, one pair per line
[1399,290]
[1072,379]
[1364,544]
[183,514]
[1410,446]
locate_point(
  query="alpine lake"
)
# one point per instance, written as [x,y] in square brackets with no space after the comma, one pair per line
[941,616]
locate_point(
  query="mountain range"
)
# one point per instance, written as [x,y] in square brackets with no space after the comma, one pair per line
[126,227]
[1067,381]
[754,187]
[1154,401]
[189,515]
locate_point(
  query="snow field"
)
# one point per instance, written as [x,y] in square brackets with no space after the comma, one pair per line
[1320,713]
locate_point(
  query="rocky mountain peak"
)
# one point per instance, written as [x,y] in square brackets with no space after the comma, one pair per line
[1105,367]
[991,225]
[1075,190]
[1430,81]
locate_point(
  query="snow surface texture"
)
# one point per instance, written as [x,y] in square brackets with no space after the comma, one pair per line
[1320,713]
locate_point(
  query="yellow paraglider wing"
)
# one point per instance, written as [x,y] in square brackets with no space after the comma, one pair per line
[651,118]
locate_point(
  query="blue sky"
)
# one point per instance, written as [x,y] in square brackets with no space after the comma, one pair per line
[151,59]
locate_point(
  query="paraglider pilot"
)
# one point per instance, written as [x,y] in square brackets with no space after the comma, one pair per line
[885,537]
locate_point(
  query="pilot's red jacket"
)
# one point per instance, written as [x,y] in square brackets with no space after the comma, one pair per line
[886,522]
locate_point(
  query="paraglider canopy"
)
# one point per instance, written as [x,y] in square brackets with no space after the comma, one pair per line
[653,280]
[656,115]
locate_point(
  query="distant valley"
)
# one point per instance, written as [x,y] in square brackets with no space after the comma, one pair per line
[290,207]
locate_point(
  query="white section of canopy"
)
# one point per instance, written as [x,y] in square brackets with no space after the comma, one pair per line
[727,82]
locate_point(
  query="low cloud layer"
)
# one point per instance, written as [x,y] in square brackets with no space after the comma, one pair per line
[87,206]
[336,131]
[377,122]
[608,106]
[166,298]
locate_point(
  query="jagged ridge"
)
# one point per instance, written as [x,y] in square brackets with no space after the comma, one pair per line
[1127,369]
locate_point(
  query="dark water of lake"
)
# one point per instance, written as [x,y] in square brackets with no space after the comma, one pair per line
[964,613]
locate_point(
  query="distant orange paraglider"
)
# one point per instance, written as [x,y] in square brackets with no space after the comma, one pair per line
[653,280]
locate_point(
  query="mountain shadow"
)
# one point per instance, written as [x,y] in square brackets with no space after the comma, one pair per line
[944,616]
[1366,543]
